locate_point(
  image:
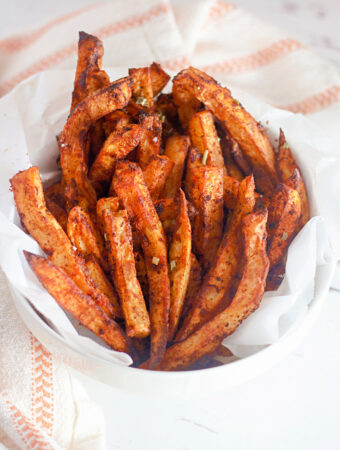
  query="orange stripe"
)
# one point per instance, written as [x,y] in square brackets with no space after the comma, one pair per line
[256,60]
[218,9]
[315,102]
[176,64]
[60,55]
[17,43]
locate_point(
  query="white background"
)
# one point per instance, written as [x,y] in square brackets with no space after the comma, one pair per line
[295,405]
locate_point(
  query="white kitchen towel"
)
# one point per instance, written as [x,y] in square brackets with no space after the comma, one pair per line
[41,404]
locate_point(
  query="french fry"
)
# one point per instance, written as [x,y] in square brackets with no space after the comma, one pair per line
[241,125]
[114,121]
[151,139]
[286,166]
[275,276]
[156,174]
[176,149]
[187,104]
[240,159]
[68,295]
[283,221]
[130,186]
[166,108]
[204,137]
[207,197]
[227,145]
[230,191]
[179,260]
[142,92]
[247,299]
[98,276]
[43,227]
[85,236]
[217,283]
[142,273]
[55,203]
[77,187]
[167,210]
[194,160]
[119,244]
[116,146]
[159,78]
[110,203]
[194,284]
[89,76]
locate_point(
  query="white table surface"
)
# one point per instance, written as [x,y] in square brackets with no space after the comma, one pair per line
[295,405]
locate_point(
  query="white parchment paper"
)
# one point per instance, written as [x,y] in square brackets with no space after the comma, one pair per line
[35,112]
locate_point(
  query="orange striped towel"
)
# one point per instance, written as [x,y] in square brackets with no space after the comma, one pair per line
[39,400]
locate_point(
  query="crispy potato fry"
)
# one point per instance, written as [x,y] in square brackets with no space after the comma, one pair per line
[194,284]
[227,145]
[204,137]
[230,191]
[286,166]
[77,187]
[217,283]
[64,290]
[114,121]
[241,125]
[240,159]
[207,197]
[246,300]
[43,227]
[156,174]
[98,276]
[130,186]
[166,107]
[55,203]
[176,149]
[142,92]
[283,221]
[179,260]
[151,139]
[275,276]
[167,210]
[89,76]
[159,78]
[85,236]
[194,160]
[110,203]
[142,273]
[116,146]
[187,104]
[119,243]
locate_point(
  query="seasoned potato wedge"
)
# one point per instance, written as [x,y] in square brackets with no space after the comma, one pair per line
[230,191]
[43,227]
[130,186]
[187,104]
[217,283]
[204,137]
[151,139]
[81,306]
[275,276]
[110,203]
[114,121]
[156,174]
[239,158]
[283,221]
[55,203]
[142,273]
[119,244]
[247,299]
[159,78]
[179,262]
[286,166]
[116,146]
[85,236]
[207,197]
[241,125]
[142,92]
[176,149]
[98,276]
[229,145]
[194,160]
[77,187]
[194,284]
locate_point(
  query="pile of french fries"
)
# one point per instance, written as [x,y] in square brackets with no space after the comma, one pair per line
[172,216]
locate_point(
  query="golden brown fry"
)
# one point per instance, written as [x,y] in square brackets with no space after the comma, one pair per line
[116,146]
[142,92]
[246,300]
[81,306]
[240,159]
[85,236]
[77,187]
[131,188]
[286,166]
[166,107]
[43,227]
[89,76]
[156,174]
[204,137]
[194,160]
[167,210]
[214,292]
[283,222]
[141,273]
[194,284]
[116,120]
[275,276]
[159,78]
[230,191]
[179,261]
[98,276]
[187,104]
[176,149]
[229,145]
[110,203]
[241,125]
[207,197]
[151,140]
[119,243]
[55,203]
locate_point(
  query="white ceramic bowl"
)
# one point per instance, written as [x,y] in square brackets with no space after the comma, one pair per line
[177,384]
